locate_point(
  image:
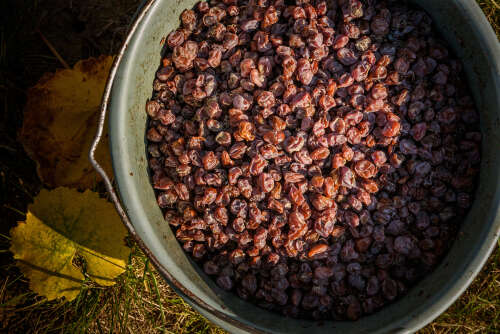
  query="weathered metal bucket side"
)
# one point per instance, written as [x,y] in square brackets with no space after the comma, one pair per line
[129,87]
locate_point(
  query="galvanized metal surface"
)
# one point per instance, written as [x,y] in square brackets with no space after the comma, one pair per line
[129,86]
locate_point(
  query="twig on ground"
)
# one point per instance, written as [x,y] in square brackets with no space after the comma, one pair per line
[53,50]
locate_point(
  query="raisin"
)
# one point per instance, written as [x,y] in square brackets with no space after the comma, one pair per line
[315,156]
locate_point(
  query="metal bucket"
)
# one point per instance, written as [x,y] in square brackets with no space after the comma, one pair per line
[466,29]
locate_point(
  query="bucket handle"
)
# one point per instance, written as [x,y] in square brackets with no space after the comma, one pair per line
[95,142]
[141,9]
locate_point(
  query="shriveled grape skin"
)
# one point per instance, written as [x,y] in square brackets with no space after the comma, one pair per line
[314,157]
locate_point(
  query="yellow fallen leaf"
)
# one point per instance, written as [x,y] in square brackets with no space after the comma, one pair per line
[61,224]
[60,121]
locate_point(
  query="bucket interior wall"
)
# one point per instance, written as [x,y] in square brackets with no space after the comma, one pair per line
[467,32]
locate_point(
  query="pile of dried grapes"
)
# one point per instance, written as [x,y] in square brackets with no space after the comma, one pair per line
[315,157]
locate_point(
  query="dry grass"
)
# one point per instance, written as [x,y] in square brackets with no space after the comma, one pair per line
[140,302]
[143,303]
[478,309]
[491,9]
